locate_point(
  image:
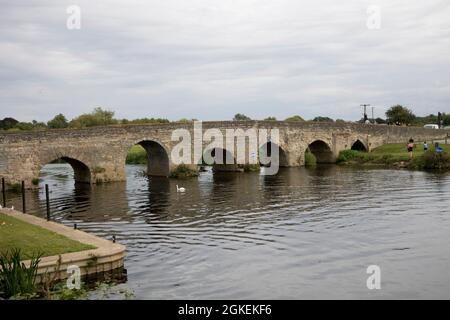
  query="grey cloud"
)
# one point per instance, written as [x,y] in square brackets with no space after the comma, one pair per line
[209,59]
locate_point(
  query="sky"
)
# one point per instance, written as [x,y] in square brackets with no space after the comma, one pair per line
[211,59]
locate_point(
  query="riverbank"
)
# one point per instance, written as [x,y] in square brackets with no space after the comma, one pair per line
[396,156]
[51,249]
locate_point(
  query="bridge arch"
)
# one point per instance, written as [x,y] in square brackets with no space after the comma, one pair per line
[358,145]
[266,150]
[156,156]
[81,171]
[322,151]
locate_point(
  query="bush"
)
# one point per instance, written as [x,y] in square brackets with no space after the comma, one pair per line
[15,278]
[183,171]
[251,168]
[347,155]
[310,159]
[432,161]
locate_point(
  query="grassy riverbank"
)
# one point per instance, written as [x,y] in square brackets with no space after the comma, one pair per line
[31,239]
[396,155]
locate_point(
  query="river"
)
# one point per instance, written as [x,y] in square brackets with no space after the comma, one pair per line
[302,234]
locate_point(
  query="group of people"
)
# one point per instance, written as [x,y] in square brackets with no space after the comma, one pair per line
[410,147]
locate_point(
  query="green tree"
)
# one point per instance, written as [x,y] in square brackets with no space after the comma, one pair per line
[323,119]
[98,117]
[147,121]
[380,121]
[270,119]
[446,119]
[58,122]
[185,120]
[240,117]
[28,126]
[24,126]
[8,123]
[399,115]
[295,118]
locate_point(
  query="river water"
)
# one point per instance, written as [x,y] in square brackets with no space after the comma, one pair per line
[302,234]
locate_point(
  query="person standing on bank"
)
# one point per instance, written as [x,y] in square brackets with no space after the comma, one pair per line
[425,146]
[410,147]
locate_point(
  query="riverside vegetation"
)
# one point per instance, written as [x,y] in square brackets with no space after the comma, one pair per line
[396,156]
[389,155]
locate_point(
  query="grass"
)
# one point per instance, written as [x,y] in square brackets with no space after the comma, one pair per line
[31,239]
[393,155]
[137,155]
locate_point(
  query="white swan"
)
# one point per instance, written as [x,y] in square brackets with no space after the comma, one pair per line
[181,189]
[12,208]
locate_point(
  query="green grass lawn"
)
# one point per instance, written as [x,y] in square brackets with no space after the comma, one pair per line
[399,149]
[31,239]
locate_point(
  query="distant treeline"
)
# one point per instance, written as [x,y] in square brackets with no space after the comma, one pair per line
[396,115]
[98,117]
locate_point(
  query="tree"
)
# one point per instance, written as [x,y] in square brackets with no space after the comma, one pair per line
[24,126]
[446,119]
[380,121]
[295,118]
[399,115]
[323,119]
[240,117]
[58,122]
[8,123]
[146,121]
[270,119]
[98,117]
[185,120]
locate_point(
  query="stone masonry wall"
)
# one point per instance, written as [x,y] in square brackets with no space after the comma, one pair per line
[103,150]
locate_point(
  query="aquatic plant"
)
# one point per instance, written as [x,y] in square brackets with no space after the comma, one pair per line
[183,171]
[16,279]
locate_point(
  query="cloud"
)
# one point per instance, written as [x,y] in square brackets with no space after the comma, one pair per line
[210,59]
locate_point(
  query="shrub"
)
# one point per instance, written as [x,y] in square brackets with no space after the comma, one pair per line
[183,171]
[35,181]
[15,278]
[432,161]
[251,168]
[347,155]
[310,159]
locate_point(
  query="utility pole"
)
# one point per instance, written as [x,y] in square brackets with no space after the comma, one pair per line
[365,111]
[373,118]
[440,120]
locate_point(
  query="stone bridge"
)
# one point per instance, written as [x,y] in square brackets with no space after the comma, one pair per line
[98,154]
